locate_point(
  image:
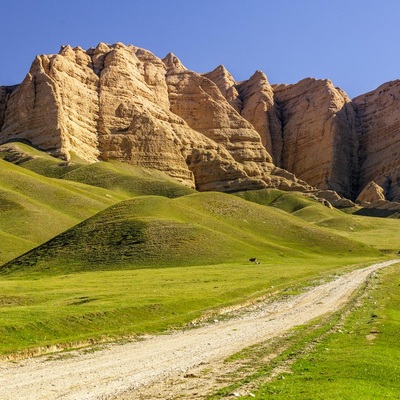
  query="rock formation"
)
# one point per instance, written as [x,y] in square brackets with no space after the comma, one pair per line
[379,131]
[319,134]
[253,100]
[5,92]
[371,193]
[227,86]
[118,102]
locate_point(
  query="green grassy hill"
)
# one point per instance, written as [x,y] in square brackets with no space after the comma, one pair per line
[128,180]
[34,208]
[380,233]
[198,229]
[41,196]
[114,250]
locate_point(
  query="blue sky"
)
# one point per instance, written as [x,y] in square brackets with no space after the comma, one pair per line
[354,43]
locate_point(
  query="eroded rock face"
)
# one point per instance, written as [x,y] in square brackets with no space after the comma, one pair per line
[5,92]
[254,100]
[198,101]
[55,106]
[227,86]
[319,136]
[259,108]
[117,102]
[112,103]
[379,130]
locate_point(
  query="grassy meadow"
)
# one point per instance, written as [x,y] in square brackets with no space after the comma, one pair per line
[106,251]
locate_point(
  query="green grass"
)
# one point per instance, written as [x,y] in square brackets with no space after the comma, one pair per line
[121,178]
[43,310]
[35,208]
[37,161]
[128,250]
[199,229]
[128,179]
[357,361]
[380,233]
[152,263]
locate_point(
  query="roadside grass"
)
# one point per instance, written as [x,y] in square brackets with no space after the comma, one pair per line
[355,357]
[44,310]
[252,367]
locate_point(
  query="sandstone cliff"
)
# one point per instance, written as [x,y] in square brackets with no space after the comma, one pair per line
[227,86]
[118,102]
[320,143]
[123,103]
[379,131]
[5,92]
[254,100]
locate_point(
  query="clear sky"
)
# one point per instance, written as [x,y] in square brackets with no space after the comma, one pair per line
[354,43]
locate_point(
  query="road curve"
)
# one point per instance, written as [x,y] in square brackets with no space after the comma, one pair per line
[107,373]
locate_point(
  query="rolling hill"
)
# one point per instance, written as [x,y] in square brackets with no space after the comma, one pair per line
[36,203]
[198,229]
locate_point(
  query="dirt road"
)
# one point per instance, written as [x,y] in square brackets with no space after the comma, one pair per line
[118,369]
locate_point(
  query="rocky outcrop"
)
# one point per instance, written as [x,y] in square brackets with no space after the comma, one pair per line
[319,136]
[253,99]
[55,106]
[115,103]
[309,128]
[198,101]
[371,193]
[333,198]
[372,197]
[379,131]
[118,102]
[260,109]
[227,86]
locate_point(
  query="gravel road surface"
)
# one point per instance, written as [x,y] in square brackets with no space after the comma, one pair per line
[116,371]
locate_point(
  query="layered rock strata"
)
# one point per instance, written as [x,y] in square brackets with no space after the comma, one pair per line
[379,131]
[320,142]
[117,102]
[309,128]
[254,100]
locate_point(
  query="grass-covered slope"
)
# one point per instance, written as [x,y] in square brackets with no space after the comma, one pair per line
[151,263]
[125,179]
[379,233]
[41,196]
[198,229]
[359,359]
[34,208]
[147,263]
[38,161]
[128,179]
